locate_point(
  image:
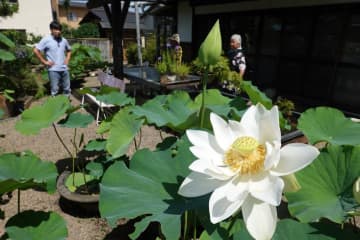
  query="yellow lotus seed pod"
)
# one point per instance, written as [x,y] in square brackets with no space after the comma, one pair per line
[210,49]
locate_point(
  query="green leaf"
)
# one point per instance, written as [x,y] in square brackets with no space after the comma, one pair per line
[290,229]
[330,125]
[26,171]
[210,49]
[116,98]
[6,55]
[326,186]
[1,113]
[124,128]
[38,117]
[6,41]
[96,145]
[77,120]
[77,179]
[31,225]
[175,111]
[95,169]
[255,95]
[149,187]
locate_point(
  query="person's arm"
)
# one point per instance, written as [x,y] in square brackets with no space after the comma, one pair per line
[41,58]
[67,59]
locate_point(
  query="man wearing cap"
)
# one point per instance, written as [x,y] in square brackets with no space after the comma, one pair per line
[58,52]
[175,48]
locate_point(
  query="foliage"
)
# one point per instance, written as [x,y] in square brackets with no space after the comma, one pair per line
[17,36]
[329,194]
[36,225]
[5,45]
[167,65]
[17,74]
[148,53]
[8,8]
[87,30]
[84,59]
[285,106]
[219,73]
[26,171]
[330,125]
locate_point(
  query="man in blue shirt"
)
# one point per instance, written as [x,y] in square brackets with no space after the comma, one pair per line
[57,56]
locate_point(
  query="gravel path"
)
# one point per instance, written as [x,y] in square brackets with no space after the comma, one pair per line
[47,147]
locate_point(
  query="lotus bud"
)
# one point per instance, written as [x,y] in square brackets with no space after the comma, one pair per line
[210,49]
[291,183]
[356,190]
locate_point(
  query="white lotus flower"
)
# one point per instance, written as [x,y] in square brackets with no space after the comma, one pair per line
[242,164]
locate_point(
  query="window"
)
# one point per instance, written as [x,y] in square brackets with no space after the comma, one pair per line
[72,17]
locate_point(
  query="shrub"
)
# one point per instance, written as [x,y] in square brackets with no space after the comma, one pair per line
[87,30]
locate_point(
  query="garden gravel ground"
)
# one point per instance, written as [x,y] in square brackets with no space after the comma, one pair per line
[47,147]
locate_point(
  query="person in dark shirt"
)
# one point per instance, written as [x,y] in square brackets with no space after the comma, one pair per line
[236,55]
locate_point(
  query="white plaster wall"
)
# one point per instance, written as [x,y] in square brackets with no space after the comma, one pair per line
[264,4]
[33,15]
[185,21]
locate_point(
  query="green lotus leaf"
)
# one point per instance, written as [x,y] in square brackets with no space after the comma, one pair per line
[77,120]
[330,125]
[38,117]
[6,55]
[290,229]
[175,111]
[326,186]
[26,171]
[31,225]
[96,145]
[210,49]
[116,98]
[124,128]
[77,179]
[95,169]
[6,41]
[255,95]
[149,189]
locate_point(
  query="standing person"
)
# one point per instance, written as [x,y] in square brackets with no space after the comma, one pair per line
[175,48]
[57,56]
[236,55]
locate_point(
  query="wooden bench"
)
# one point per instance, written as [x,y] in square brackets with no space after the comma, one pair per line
[105,80]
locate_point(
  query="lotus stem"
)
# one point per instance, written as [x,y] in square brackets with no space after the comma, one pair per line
[185,225]
[194,233]
[161,136]
[18,201]
[202,109]
[62,142]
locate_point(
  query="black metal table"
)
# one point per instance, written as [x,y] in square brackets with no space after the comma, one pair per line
[150,77]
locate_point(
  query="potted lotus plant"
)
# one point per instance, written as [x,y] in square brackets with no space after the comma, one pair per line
[80,184]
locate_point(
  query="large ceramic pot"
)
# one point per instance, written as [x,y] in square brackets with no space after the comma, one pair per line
[84,201]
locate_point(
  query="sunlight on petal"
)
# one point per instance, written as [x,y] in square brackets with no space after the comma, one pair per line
[272,154]
[197,184]
[260,218]
[267,188]
[208,154]
[269,125]
[204,167]
[220,207]
[222,131]
[238,189]
[203,139]
[294,157]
